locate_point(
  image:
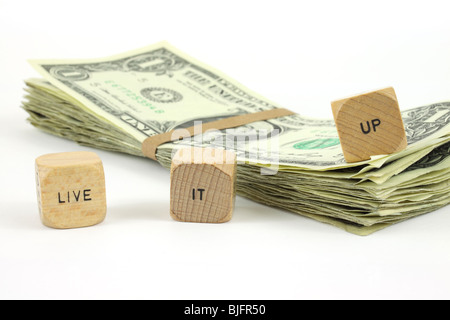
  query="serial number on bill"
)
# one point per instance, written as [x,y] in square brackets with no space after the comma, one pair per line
[230,310]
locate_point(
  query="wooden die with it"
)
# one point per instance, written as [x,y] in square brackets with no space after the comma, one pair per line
[202,185]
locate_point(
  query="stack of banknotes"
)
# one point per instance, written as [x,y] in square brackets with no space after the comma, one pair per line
[291,162]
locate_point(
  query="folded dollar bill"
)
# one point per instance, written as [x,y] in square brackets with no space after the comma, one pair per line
[292,162]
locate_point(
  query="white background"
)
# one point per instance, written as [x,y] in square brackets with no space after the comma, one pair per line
[301,54]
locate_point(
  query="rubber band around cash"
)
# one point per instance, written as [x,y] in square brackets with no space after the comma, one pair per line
[150,145]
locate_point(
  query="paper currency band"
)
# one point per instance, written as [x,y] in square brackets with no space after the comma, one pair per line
[150,144]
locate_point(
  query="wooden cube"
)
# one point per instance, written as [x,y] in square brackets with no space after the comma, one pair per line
[70,189]
[203,184]
[369,124]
